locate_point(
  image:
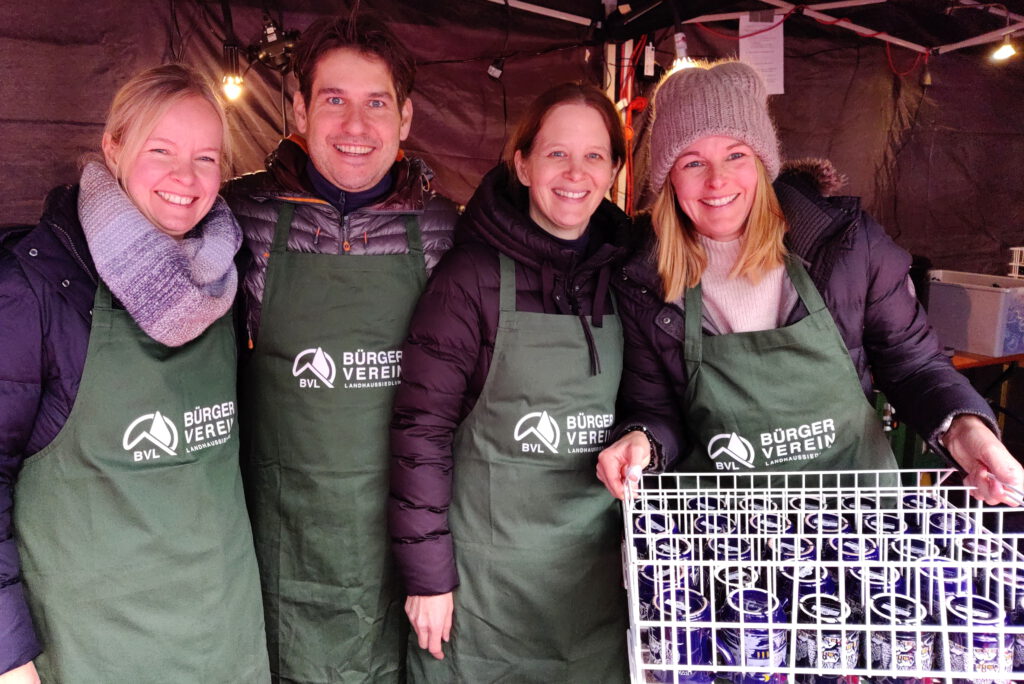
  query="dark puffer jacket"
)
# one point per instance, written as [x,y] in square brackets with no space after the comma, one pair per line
[862,275]
[318,228]
[47,286]
[448,354]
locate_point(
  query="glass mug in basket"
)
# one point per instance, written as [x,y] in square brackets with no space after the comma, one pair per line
[754,644]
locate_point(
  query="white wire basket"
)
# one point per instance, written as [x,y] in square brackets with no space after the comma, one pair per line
[808,577]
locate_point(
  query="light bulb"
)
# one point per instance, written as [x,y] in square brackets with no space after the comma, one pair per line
[232,86]
[1004,51]
[682,63]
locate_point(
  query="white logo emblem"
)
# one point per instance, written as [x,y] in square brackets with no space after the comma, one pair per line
[157,429]
[321,365]
[540,425]
[735,447]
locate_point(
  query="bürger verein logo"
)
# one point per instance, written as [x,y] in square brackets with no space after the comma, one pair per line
[155,433]
[735,447]
[314,366]
[540,426]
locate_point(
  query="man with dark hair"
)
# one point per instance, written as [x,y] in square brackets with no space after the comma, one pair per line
[341,231]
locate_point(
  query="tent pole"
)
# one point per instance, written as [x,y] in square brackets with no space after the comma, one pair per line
[851,26]
[822,5]
[990,37]
[545,11]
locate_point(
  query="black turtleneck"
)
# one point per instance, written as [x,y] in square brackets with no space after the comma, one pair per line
[344,201]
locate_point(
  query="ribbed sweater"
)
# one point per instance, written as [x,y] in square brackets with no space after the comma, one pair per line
[735,304]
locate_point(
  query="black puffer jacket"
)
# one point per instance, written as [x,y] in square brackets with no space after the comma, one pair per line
[448,353]
[862,275]
[47,286]
[318,228]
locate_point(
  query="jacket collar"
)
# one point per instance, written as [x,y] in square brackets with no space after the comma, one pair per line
[287,166]
[56,252]
[498,215]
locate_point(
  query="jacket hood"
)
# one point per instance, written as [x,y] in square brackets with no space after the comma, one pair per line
[818,175]
[286,167]
[498,215]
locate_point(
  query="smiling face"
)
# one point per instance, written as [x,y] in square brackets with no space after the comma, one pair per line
[568,170]
[353,123]
[175,176]
[715,181]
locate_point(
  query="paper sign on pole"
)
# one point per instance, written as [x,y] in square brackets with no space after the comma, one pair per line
[765,50]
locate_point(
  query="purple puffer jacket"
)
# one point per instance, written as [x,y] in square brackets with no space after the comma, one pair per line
[862,275]
[47,286]
[448,353]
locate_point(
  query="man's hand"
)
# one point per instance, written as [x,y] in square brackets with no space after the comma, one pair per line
[26,674]
[431,619]
[625,459]
[974,446]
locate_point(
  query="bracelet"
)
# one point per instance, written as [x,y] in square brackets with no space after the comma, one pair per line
[654,465]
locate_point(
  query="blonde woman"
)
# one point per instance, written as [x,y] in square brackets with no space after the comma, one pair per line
[761,313]
[128,542]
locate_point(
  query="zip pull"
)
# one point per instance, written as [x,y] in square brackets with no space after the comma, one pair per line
[316,236]
[366,239]
[346,246]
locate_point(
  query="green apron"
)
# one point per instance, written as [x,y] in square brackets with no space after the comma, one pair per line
[134,541]
[536,534]
[787,399]
[317,398]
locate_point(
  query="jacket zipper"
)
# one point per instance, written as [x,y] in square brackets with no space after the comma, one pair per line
[346,246]
[74,253]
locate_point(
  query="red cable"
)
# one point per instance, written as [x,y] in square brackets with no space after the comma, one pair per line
[892,67]
[752,33]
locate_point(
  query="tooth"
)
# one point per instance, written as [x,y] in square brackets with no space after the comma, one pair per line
[176,199]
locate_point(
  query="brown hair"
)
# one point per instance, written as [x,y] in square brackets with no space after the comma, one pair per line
[364,33]
[144,99]
[681,258]
[565,93]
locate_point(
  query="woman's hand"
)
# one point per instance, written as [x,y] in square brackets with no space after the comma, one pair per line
[431,619]
[26,674]
[979,452]
[625,459]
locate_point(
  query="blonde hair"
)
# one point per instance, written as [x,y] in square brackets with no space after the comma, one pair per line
[681,258]
[143,100]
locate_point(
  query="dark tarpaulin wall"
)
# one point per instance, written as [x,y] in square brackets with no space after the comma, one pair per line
[938,166]
[62,61]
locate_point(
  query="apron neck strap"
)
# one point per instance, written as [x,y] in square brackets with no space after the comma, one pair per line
[803,284]
[284,224]
[693,309]
[104,299]
[508,283]
[413,235]
[693,313]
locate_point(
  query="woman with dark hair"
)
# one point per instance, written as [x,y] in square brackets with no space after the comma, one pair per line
[129,544]
[762,312]
[508,547]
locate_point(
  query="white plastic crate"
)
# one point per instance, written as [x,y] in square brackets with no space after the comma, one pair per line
[977,313]
[852,634]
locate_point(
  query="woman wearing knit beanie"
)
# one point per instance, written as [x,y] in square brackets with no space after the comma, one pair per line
[761,313]
[128,546]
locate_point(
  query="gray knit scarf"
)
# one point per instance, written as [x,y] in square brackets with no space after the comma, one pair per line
[174,289]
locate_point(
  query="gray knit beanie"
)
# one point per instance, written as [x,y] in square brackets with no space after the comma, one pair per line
[724,98]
